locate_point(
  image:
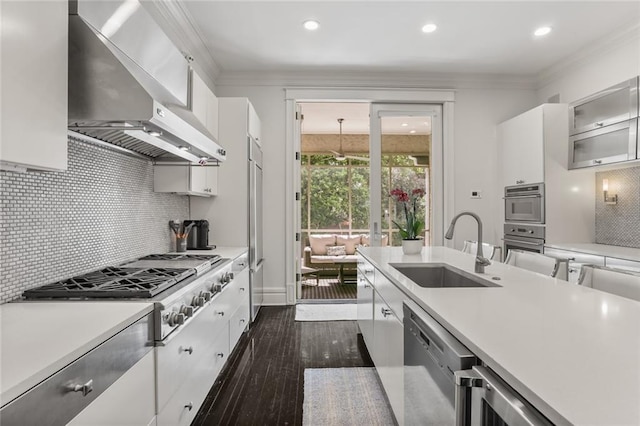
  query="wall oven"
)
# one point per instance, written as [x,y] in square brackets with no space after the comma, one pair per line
[523,237]
[524,203]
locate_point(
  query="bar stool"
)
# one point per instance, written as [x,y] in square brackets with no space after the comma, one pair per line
[491,252]
[536,262]
[610,280]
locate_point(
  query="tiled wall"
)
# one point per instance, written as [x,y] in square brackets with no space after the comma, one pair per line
[101,211]
[619,224]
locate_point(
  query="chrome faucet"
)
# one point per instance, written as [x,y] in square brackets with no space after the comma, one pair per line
[481,261]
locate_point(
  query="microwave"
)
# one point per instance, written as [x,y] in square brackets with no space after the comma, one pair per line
[524,203]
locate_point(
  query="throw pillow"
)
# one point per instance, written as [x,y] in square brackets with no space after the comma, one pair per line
[336,251]
[349,241]
[319,243]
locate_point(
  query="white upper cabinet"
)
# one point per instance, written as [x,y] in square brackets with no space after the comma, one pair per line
[254,124]
[34,85]
[186,179]
[521,142]
[204,104]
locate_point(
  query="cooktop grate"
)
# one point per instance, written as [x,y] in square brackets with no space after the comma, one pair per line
[213,257]
[113,282]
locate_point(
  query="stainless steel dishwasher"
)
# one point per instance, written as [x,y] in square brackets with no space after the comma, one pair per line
[431,356]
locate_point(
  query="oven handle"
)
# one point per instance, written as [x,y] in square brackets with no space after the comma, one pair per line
[511,197]
[522,242]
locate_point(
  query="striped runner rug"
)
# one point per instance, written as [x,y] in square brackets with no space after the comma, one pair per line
[327,288]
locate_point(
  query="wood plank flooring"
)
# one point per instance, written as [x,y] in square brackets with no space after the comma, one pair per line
[262,384]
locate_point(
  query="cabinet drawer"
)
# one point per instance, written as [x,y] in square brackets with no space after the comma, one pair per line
[610,144]
[183,406]
[176,358]
[628,265]
[366,269]
[390,293]
[238,322]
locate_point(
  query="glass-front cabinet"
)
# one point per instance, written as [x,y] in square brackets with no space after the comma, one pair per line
[603,127]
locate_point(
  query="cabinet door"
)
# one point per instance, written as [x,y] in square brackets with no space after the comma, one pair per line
[114,406]
[389,354]
[629,265]
[522,144]
[34,84]
[365,309]
[254,125]
[204,104]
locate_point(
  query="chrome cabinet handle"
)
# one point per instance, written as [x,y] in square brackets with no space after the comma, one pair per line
[189,406]
[221,313]
[189,349]
[242,321]
[241,288]
[386,312]
[85,388]
[597,161]
[220,355]
[518,182]
[366,286]
[599,124]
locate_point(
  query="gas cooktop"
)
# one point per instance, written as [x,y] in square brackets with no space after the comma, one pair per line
[142,278]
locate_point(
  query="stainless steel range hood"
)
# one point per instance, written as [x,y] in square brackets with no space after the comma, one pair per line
[130,86]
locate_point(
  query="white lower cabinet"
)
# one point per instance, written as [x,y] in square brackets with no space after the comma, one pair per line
[365,308]
[129,401]
[183,406]
[388,354]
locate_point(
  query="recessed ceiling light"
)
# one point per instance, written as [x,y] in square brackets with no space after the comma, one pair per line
[542,31]
[429,28]
[404,124]
[412,131]
[311,25]
[184,148]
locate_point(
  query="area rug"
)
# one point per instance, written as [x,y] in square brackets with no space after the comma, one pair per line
[344,396]
[326,312]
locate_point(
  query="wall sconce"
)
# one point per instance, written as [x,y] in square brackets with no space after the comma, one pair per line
[608,199]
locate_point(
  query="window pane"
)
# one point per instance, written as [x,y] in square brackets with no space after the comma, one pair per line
[325,160]
[360,198]
[329,198]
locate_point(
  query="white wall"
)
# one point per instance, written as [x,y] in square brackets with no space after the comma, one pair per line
[605,66]
[477,111]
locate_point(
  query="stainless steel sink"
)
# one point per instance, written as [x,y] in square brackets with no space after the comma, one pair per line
[440,276]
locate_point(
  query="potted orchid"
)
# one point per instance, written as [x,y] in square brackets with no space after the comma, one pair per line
[414,225]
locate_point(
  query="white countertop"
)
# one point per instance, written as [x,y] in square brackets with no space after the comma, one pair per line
[39,338]
[227,252]
[572,351]
[627,253]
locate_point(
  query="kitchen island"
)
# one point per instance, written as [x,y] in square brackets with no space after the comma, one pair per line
[571,351]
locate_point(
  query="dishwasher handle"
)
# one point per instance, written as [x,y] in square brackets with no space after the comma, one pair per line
[498,395]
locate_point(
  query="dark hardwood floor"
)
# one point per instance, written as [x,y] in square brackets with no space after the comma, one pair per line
[262,384]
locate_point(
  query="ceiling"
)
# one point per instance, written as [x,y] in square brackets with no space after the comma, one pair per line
[475,37]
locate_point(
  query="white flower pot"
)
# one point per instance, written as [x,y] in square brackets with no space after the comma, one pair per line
[412,246]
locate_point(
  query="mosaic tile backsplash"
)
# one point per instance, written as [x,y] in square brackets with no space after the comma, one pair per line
[102,211]
[619,224]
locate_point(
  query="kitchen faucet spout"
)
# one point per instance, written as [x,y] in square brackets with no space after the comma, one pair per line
[481,261]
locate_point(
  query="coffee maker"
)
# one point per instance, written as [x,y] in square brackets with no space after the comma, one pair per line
[198,238]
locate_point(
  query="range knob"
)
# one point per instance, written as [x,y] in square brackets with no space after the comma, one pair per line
[206,295]
[187,311]
[198,302]
[226,278]
[531,232]
[175,319]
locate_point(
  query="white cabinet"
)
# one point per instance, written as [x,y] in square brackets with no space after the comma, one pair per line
[521,144]
[116,406]
[365,300]
[204,104]
[240,299]
[388,354]
[254,125]
[34,85]
[186,179]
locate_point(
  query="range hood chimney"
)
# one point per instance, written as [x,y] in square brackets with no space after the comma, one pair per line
[130,86]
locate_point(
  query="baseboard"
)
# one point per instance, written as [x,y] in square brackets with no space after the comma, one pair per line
[274,296]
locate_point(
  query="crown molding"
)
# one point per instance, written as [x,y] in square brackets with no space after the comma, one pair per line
[627,34]
[376,79]
[176,20]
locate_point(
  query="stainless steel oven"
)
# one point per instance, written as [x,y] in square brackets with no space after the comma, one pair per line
[523,237]
[524,203]
[484,399]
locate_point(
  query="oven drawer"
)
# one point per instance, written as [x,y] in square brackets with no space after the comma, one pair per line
[238,322]
[183,406]
[176,358]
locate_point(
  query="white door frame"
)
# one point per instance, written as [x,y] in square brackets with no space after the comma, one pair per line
[380,95]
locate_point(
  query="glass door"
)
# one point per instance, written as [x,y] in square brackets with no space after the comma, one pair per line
[406,179]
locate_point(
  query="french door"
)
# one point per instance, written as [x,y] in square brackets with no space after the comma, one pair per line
[401,133]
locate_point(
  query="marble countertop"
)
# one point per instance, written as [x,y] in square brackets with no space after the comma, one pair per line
[572,351]
[626,253]
[39,338]
[226,252]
